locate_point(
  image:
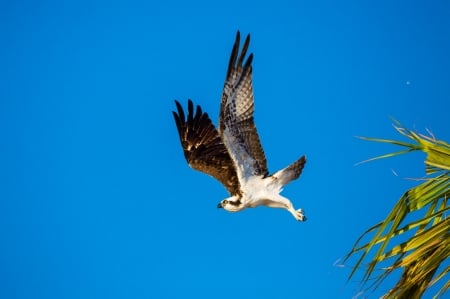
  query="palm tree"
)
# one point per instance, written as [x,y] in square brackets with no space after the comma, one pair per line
[419,247]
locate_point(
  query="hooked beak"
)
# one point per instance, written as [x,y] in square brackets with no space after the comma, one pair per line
[219,205]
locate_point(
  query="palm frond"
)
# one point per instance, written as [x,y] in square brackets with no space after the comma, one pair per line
[418,247]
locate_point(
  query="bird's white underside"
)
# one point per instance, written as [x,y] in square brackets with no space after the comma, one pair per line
[256,190]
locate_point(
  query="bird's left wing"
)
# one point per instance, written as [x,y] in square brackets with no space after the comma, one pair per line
[203,147]
[236,123]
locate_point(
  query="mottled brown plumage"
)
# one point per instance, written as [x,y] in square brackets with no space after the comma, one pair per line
[203,147]
[237,106]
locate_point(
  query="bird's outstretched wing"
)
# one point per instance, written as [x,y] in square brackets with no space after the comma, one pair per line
[236,123]
[203,147]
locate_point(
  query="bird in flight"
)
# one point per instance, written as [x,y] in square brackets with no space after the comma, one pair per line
[232,153]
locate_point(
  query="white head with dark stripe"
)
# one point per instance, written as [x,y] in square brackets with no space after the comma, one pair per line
[231,204]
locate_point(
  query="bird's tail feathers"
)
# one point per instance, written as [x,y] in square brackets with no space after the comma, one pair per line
[290,173]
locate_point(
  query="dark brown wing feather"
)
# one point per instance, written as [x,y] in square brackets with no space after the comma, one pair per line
[237,107]
[203,147]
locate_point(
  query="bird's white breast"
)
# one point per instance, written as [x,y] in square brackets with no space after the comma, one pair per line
[257,189]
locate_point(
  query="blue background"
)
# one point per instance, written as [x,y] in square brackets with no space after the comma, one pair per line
[96,199]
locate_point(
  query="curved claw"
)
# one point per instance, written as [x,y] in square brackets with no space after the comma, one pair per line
[299,215]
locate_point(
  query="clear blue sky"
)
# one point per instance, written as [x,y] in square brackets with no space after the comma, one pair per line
[96,199]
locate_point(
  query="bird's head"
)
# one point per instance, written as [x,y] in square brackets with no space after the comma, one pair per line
[231,204]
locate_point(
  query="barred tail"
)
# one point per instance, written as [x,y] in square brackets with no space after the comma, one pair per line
[290,173]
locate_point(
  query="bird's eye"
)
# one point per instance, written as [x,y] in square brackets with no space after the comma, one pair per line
[225,201]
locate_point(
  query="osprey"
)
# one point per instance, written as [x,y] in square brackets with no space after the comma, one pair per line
[233,153]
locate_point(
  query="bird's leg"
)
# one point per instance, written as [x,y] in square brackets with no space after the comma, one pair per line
[285,203]
[298,214]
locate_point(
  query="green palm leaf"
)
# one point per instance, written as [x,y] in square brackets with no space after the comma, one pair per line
[419,247]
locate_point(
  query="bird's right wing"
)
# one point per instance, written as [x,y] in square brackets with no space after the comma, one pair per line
[203,148]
